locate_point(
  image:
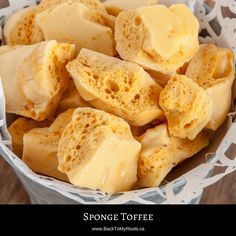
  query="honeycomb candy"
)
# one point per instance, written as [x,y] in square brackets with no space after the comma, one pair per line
[97,151]
[92,4]
[115,86]
[187,107]
[34,78]
[141,36]
[213,69]
[40,147]
[71,99]
[160,78]
[114,7]
[77,24]
[160,153]
[19,128]
[22,29]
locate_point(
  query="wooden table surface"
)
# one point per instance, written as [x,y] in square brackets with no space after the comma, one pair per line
[12,192]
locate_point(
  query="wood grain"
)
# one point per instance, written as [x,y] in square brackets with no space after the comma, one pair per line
[4,3]
[223,192]
[12,192]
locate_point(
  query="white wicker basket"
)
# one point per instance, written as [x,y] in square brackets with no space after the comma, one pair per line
[190,179]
